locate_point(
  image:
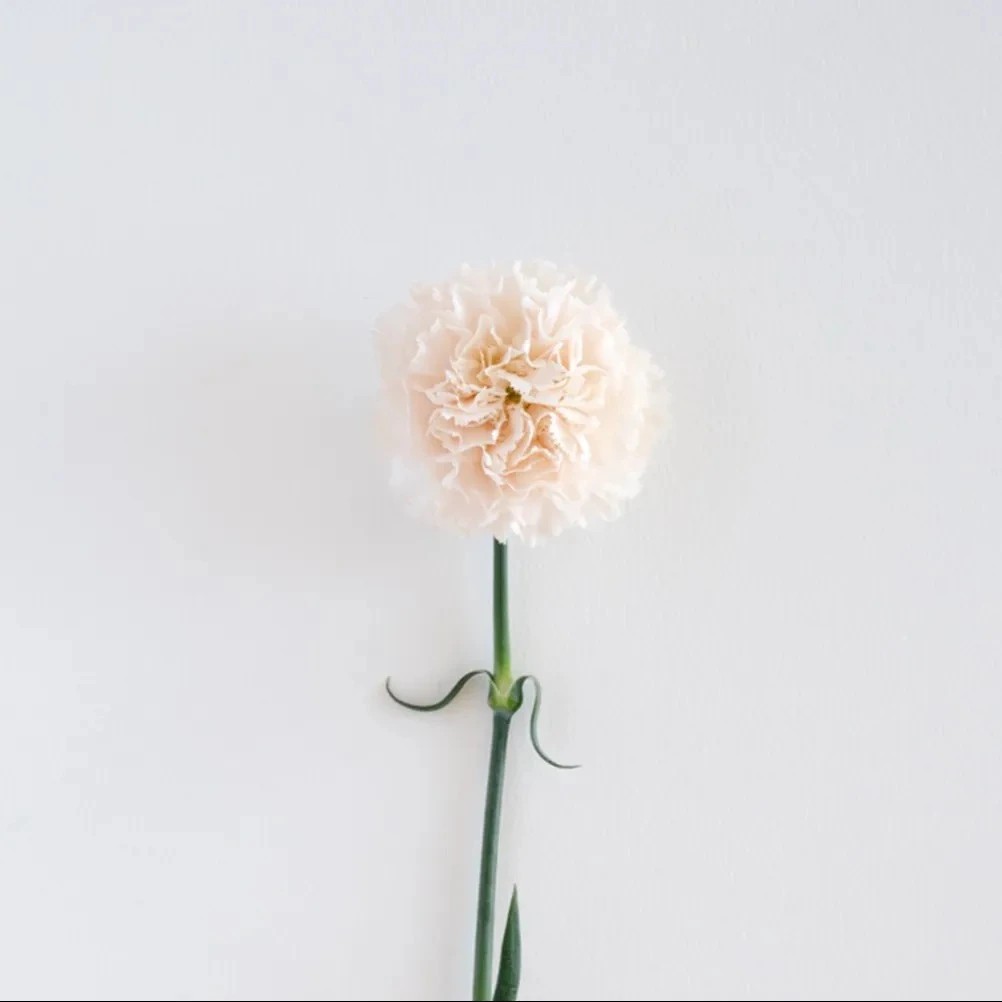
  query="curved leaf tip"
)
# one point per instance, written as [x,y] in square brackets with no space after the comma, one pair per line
[534,721]
[443,702]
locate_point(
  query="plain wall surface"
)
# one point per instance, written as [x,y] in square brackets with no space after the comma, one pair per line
[781,669]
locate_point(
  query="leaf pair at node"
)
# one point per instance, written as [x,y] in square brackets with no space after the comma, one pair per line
[518,691]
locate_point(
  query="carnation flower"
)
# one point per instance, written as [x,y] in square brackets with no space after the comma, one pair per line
[516,402]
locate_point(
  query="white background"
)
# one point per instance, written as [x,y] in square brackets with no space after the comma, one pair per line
[781,669]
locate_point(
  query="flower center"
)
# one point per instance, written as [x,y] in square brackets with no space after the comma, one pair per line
[512,396]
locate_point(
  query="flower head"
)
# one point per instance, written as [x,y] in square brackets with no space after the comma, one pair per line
[516,402]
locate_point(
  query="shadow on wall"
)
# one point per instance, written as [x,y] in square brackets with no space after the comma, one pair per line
[251,460]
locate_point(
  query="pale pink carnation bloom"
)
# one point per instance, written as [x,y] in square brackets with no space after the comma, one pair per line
[515,402]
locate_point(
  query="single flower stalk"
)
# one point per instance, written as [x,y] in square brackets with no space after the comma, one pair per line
[516,406]
[505,697]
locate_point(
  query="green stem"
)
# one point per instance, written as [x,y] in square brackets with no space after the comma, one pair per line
[484,947]
[502,645]
[501,700]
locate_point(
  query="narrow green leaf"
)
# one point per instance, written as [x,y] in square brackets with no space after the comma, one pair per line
[510,967]
[534,720]
[445,701]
